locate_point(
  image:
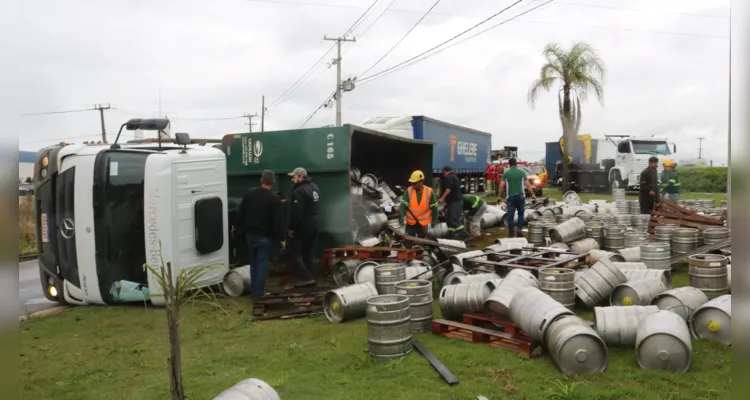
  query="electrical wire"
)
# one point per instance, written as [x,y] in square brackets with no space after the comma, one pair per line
[57,140]
[445,42]
[315,65]
[642,10]
[57,112]
[328,5]
[402,37]
[361,35]
[323,104]
[292,95]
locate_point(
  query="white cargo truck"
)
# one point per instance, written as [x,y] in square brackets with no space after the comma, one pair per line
[104,211]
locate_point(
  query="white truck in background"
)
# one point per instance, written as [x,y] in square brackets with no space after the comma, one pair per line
[613,162]
[103,211]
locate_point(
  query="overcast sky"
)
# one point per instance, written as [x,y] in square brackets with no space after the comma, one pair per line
[667,66]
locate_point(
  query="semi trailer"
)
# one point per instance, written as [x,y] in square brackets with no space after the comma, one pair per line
[103,211]
[466,150]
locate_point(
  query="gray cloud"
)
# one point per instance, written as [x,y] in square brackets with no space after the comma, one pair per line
[667,72]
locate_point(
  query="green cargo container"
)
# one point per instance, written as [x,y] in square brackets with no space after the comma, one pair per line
[328,154]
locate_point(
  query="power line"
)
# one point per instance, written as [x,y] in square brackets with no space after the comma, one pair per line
[309,83]
[322,105]
[445,42]
[57,112]
[642,10]
[374,22]
[322,57]
[61,139]
[402,37]
[344,6]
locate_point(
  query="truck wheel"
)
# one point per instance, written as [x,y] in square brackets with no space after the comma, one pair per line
[539,192]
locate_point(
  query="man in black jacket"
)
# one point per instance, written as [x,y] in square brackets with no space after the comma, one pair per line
[649,186]
[260,215]
[453,199]
[303,227]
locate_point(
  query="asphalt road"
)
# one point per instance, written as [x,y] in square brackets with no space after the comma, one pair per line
[30,292]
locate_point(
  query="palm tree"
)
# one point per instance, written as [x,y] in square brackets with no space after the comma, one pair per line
[575,73]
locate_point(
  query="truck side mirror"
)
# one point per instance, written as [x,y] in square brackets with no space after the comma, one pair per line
[674,148]
[183,139]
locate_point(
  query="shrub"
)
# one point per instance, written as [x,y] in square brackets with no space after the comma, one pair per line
[703,180]
[26,225]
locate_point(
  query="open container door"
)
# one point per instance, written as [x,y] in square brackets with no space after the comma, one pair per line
[185,209]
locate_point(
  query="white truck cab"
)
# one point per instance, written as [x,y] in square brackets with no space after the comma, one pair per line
[103,211]
[632,154]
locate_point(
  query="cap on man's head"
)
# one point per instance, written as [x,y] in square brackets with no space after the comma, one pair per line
[268,178]
[301,172]
[447,168]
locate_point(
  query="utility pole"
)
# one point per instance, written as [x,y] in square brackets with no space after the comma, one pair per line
[101,108]
[263,114]
[700,147]
[339,84]
[250,121]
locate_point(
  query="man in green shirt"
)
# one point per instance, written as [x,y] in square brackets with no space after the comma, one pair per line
[512,187]
[475,207]
[671,180]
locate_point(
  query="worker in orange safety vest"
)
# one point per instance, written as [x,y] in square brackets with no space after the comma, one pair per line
[419,206]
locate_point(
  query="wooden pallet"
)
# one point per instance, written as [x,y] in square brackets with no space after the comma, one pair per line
[667,212]
[289,304]
[490,337]
[532,263]
[373,253]
[491,322]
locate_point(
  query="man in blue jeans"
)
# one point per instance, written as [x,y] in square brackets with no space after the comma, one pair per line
[260,215]
[512,187]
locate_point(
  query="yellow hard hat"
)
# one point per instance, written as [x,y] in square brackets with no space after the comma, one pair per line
[416,176]
[668,162]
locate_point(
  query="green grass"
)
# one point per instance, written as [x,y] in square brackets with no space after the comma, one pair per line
[121,352]
[26,247]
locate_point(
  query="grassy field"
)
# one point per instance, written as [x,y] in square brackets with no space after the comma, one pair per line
[121,352]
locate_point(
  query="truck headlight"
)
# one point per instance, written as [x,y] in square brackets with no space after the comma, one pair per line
[52,291]
[43,172]
[537,181]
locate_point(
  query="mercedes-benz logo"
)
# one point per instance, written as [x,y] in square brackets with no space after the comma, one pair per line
[68,228]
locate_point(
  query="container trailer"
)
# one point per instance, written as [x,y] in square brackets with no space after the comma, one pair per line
[466,150]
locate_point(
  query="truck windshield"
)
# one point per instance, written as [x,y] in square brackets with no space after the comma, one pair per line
[118,210]
[648,147]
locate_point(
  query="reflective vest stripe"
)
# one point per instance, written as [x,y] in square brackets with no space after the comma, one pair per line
[476,202]
[421,209]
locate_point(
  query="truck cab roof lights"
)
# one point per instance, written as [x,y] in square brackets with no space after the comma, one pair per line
[149,124]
